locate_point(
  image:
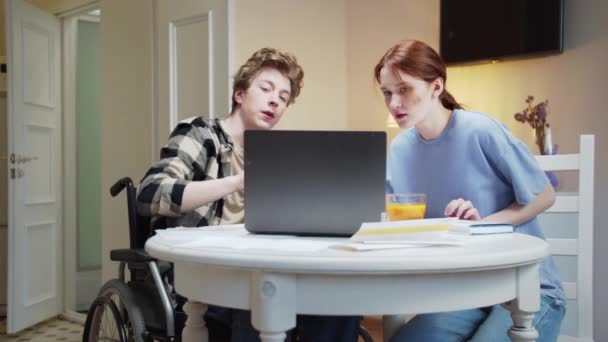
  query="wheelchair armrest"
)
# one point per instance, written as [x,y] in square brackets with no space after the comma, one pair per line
[130,255]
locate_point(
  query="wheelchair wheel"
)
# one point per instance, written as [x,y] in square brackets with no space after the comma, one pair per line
[104,322]
[131,317]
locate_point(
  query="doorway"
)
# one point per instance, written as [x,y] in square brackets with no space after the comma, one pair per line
[82,161]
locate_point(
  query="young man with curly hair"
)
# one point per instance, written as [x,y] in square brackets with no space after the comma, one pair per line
[199,180]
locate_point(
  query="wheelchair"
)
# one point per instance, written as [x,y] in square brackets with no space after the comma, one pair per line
[144,309]
[141,309]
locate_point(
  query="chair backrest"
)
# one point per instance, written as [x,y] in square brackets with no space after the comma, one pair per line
[573,248]
[139,226]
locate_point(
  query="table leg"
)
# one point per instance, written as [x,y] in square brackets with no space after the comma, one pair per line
[272,337]
[522,329]
[525,305]
[273,305]
[195,329]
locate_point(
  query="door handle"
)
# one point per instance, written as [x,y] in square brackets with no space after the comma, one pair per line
[18,159]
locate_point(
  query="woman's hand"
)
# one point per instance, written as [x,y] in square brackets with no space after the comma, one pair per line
[462,209]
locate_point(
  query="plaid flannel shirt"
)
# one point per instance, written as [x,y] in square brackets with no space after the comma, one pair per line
[198,149]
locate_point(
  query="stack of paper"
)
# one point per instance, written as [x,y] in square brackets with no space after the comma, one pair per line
[236,237]
[472,228]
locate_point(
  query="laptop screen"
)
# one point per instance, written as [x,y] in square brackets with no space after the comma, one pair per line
[313,182]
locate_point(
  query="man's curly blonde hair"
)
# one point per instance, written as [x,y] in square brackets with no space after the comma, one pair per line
[268,57]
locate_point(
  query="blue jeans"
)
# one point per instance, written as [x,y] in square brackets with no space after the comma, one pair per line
[481,325]
[308,328]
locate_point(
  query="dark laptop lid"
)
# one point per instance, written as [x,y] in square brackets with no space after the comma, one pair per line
[313,182]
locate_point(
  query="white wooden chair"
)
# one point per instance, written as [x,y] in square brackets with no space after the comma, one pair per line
[573,248]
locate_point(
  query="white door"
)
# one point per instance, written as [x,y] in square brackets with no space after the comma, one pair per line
[192,61]
[34,134]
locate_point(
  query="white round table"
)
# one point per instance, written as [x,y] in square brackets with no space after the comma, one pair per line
[278,277]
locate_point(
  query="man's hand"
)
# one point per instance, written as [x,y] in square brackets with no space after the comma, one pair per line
[462,209]
[239,179]
[199,193]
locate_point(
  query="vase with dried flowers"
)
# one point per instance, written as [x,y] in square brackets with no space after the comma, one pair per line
[536,116]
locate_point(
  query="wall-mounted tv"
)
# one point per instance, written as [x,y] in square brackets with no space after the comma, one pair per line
[486,30]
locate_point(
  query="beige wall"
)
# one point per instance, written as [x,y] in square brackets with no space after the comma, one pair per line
[313,30]
[126,112]
[373,27]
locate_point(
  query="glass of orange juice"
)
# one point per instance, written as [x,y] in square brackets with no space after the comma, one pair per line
[405,206]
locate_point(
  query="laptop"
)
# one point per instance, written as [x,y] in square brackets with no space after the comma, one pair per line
[315,183]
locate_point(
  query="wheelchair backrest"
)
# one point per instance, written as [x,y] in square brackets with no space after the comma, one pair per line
[139,226]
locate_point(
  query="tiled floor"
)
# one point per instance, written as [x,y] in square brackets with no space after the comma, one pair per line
[61,330]
[48,331]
